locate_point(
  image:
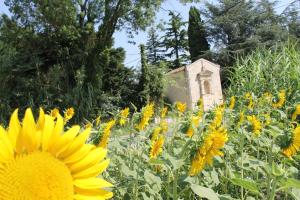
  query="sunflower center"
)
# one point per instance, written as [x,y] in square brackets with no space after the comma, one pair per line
[35,176]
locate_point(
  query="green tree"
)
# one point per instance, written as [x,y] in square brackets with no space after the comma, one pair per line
[145,80]
[60,47]
[175,40]
[197,36]
[238,27]
[292,19]
[268,25]
[152,80]
[231,26]
[154,47]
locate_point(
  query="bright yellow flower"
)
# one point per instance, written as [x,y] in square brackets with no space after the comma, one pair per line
[39,160]
[122,122]
[155,133]
[164,112]
[156,147]
[267,119]
[88,125]
[217,121]
[123,116]
[147,113]
[256,124]
[249,97]
[180,106]
[212,144]
[125,112]
[196,120]
[190,131]
[54,113]
[69,113]
[164,126]
[232,103]
[194,123]
[98,120]
[281,99]
[294,147]
[241,119]
[106,133]
[296,112]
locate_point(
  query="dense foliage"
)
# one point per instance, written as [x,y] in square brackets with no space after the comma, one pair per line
[62,50]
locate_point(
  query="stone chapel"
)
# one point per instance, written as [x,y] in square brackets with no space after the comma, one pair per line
[198,79]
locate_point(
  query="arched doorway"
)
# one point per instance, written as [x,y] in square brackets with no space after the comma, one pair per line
[207,87]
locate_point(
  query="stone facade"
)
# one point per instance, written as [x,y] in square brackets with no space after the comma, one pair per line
[201,79]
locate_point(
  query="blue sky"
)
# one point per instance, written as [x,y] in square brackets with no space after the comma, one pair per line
[132,50]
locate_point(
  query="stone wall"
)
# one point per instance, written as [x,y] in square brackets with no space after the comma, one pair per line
[177,89]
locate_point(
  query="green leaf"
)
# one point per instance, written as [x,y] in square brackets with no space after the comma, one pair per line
[290,183]
[127,172]
[153,181]
[204,192]
[247,184]
[156,162]
[176,163]
[295,193]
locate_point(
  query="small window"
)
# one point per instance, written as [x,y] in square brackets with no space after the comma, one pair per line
[206,87]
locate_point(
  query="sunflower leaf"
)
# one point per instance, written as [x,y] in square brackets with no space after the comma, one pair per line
[204,192]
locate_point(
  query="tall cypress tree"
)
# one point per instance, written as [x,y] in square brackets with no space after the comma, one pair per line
[198,44]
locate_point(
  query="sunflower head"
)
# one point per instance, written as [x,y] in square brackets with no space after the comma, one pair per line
[39,160]
[156,147]
[294,144]
[124,113]
[232,102]
[54,112]
[255,124]
[280,100]
[180,106]
[164,112]
[296,112]
[68,114]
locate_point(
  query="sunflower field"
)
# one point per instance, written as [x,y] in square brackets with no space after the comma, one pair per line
[246,148]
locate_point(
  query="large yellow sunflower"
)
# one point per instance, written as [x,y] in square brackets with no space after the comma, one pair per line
[39,161]
[294,147]
[157,147]
[212,144]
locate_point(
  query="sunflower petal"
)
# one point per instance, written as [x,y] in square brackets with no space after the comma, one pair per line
[93,171]
[57,131]
[5,146]
[29,136]
[47,132]
[41,120]
[64,140]
[79,154]
[14,128]
[95,192]
[94,157]
[84,197]
[78,142]
[91,183]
